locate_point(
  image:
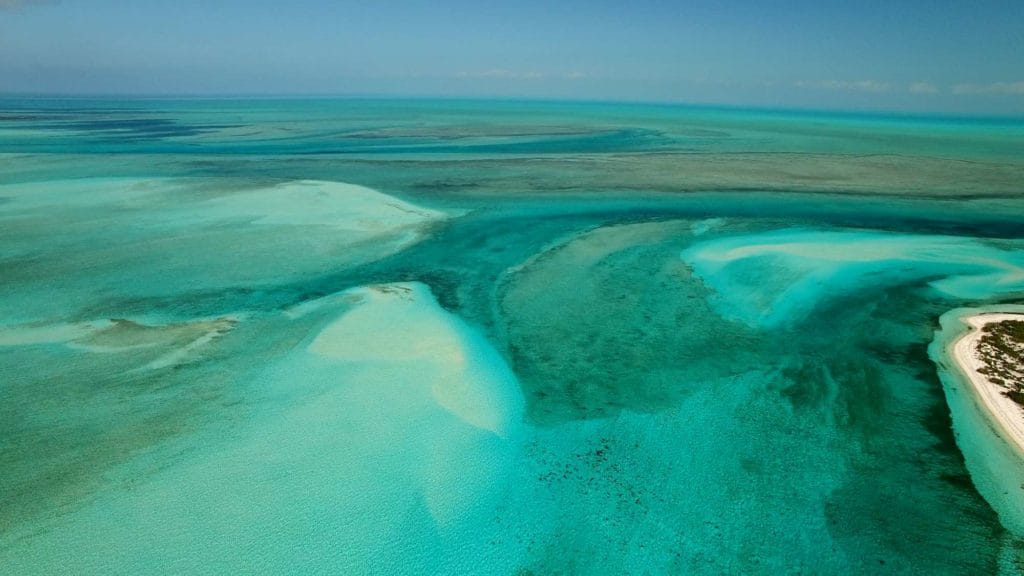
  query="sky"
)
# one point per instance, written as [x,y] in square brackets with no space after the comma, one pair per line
[945,56]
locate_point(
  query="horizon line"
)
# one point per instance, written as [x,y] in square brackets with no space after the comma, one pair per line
[879,113]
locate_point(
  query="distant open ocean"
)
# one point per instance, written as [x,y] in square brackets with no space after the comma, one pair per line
[244,336]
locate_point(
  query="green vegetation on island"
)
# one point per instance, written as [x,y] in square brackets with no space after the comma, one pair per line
[1001,349]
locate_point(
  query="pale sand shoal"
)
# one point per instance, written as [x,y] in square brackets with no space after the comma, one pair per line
[1006,413]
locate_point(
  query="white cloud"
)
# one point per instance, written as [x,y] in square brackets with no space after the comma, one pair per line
[993,88]
[845,85]
[506,74]
[16,4]
[502,74]
[923,88]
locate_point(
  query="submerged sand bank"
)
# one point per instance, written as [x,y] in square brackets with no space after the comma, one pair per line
[1007,414]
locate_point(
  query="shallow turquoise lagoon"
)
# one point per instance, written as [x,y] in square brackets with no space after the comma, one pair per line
[467,337]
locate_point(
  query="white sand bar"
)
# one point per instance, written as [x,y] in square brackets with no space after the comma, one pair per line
[1007,414]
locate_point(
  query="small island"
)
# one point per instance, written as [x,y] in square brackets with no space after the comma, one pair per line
[991,355]
[1001,349]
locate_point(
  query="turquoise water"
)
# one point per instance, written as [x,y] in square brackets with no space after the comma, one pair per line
[447,337]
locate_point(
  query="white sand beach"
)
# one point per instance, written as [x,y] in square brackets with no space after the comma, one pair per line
[1007,414]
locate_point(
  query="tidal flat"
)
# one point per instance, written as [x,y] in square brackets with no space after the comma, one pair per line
[525,338]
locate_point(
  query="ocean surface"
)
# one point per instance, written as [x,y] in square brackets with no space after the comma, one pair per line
[525,338]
